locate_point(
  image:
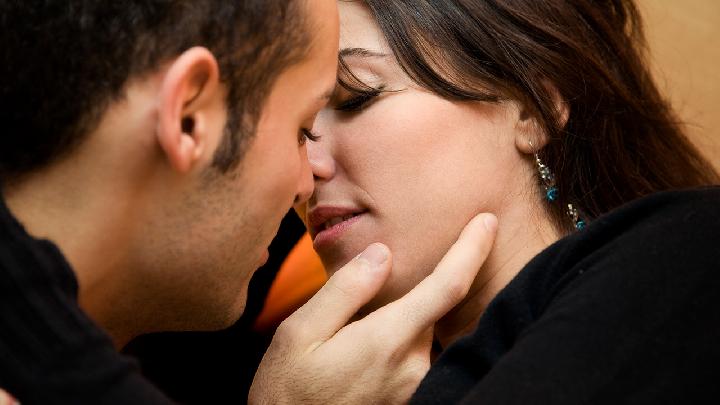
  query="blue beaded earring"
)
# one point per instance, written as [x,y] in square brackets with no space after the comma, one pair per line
[551,191]
[575,216]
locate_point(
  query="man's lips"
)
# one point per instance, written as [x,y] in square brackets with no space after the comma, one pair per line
[328,217]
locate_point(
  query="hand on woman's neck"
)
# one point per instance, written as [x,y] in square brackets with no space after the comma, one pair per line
[514,247]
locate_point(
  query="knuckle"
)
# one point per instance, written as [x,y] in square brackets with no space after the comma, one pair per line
[456,289]
[378,348]
[287,330]
[295,334]
[398,353]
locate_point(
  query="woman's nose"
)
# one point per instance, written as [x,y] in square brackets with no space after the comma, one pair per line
[322,163]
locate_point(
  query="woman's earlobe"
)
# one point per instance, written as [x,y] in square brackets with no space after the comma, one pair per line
[529,135]
[529,145]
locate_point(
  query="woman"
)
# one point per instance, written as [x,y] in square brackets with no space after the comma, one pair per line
[543,113]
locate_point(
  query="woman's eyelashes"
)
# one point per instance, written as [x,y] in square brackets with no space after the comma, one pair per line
[306,134]
[359,100]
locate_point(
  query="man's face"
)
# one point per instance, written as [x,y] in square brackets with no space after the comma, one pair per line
[218,235]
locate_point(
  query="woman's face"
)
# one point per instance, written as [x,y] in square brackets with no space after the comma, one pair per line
[407,168]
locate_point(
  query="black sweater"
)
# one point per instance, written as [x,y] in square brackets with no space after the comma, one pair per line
[50,351]
[624,311]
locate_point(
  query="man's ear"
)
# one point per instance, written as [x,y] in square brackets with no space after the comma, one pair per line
[188,92]
[530,136]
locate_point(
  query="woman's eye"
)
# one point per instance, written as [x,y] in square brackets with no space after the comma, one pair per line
[306,134]
[359,101]
[356,103]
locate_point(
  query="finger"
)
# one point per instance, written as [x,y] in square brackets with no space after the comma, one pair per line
[342,296]
[7,399]
[448,284]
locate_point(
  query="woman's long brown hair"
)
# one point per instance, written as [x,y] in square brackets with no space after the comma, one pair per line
[621,140]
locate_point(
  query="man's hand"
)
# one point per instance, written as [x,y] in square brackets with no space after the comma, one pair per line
[317,358]
[7,399]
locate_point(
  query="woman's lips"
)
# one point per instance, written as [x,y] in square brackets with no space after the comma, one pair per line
[327,237]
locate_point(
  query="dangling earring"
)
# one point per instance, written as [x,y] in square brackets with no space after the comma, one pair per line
[575,216]
[551,191]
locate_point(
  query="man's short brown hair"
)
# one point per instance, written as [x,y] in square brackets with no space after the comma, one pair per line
[63,62]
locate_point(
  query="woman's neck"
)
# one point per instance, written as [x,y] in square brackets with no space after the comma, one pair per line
[514,247]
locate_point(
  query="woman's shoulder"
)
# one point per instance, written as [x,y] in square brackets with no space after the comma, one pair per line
[666,237]
[668,225]
[665,223]
[678,207]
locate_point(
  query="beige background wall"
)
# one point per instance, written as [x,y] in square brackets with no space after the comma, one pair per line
[684,39]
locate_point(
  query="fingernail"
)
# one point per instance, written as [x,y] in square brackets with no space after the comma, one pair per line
[491,222]
[375,254]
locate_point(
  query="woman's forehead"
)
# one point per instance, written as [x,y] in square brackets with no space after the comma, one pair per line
[358,28]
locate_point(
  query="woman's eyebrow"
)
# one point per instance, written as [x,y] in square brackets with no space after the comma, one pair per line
[363,52]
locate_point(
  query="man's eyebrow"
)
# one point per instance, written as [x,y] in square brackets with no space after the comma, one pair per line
[364,52]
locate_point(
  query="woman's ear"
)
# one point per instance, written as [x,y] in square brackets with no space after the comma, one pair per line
[530,135]
[188,95]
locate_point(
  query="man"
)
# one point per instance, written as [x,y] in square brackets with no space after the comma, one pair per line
[158,144]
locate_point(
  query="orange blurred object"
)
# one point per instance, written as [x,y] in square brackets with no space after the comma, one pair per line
[300,277]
